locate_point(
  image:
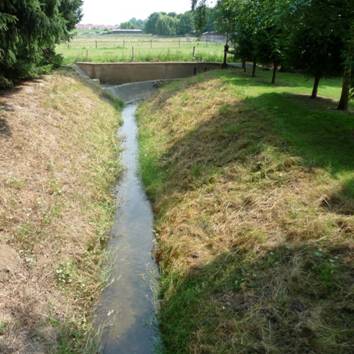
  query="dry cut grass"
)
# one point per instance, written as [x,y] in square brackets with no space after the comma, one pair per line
[254,197]
[58,161]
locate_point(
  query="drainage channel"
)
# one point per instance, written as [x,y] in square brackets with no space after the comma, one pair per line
[126,314]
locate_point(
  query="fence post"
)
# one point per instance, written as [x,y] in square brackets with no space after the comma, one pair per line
[87,54]
[151,44]
[132,53]
[96,44]
[179,43]
[193,52]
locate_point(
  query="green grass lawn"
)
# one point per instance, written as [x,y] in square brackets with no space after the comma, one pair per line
[290,83]
[138,48]
[253,191]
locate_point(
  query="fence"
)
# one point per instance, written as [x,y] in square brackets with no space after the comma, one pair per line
[140,50]
[103,44]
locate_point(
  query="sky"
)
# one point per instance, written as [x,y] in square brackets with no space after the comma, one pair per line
[113,12]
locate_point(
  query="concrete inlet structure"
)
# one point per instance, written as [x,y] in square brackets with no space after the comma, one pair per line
[121,73]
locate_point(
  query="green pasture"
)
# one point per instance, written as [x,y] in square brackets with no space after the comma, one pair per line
[139,48]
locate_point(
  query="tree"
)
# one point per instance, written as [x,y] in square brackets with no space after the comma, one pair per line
[185,23]
[150,25]
[133,23]
[247,31]
[211,16]
[272,30]
[348,82]
[29,32]
[226,14]
[162,24]
[204,17]
[347,26]
[70,10]
[166,25]
[170,24]
[200,18]
[315,42]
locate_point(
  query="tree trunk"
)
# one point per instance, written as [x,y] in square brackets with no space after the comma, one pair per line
[224,64]
[244,65]
[254,68]
[315,86]
[275,68]
[344,98]
[347,80]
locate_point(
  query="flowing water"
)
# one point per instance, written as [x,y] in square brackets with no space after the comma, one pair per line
[127,312]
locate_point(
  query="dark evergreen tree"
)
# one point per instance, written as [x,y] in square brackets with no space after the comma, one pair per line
[29,32]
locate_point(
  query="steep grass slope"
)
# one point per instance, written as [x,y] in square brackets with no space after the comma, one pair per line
[58,161]
[253,189]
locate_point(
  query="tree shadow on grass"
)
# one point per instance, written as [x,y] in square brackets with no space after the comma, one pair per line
[314,131]
[5,130]
[240,133]
[289,300]
[341,201]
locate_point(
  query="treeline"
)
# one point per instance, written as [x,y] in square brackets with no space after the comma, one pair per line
[169,24]
[172,24]
[315,37]
[133,23]
[29,31]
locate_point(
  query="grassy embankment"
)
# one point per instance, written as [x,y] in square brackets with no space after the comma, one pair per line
[58,163]
[119,48]
[253,189]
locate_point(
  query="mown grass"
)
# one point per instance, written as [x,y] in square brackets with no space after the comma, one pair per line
[252,186]
[59,163]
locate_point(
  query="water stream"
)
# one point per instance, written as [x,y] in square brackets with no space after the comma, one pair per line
[126,312]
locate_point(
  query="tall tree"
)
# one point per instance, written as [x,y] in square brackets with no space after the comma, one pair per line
[315,41]
[348,82]
[226,13]
[272,30]
[150,25]
[200,18]
[204,16]
[347,32]
[166,25]
[185,23]
[163,24]
[248,29]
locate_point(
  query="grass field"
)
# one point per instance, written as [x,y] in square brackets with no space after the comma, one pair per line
[253,191]
[110,48]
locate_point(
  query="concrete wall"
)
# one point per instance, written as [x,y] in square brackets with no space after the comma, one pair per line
[120,73]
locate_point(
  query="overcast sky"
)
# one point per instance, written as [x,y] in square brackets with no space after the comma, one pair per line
[112,12]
